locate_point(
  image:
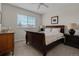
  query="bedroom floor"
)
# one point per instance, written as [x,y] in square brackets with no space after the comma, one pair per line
[21,49]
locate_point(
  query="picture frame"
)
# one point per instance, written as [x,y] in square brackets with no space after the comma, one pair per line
[54,20]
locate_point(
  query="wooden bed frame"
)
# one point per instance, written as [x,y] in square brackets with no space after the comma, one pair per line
[37,40]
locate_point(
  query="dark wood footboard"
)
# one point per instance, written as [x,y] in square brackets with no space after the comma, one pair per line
[37,40]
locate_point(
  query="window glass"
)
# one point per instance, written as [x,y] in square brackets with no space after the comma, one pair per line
[27,21]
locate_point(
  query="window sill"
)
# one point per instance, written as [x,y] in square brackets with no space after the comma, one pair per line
[22,27]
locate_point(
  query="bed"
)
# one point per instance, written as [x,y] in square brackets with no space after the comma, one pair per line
[45,41]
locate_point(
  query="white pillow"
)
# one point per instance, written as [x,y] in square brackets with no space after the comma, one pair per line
[55,30]
[66,30]
[76,32]
[47,29]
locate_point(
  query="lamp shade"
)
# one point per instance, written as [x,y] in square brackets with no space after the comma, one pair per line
[72,26]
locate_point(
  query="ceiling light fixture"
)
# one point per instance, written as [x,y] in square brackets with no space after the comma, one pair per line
[42,4]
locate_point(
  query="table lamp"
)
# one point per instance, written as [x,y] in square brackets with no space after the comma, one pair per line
[72,27]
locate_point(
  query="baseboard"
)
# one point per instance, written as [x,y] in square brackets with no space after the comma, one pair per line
[17,40]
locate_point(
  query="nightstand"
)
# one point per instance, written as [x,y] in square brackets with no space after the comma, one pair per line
[71,40]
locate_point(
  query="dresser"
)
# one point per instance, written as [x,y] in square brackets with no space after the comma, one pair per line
[6,43]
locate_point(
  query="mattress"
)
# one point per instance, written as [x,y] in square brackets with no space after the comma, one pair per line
[52,37]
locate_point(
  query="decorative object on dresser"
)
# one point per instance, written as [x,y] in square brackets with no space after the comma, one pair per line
[54,20]
[71,40]
[6,43]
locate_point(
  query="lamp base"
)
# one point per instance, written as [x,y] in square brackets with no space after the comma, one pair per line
[72,31]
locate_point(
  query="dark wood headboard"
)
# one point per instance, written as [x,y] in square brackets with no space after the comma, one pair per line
[57,26]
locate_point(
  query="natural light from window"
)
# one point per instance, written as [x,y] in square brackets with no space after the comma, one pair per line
[26,21]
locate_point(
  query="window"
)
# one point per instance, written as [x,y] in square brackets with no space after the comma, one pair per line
[26,21]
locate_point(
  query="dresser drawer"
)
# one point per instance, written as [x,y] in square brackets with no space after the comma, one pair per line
[6,42]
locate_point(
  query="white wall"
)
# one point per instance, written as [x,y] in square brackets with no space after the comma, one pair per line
[9,19]
[0,12]
[0,6]
[66,13]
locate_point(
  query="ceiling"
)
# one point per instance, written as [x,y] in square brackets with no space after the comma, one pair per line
[51,6]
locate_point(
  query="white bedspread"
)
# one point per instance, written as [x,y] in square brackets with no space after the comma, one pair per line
[51,37]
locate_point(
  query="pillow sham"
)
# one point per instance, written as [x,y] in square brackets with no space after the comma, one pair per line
[67,31]
[55,30]
[76,32]
[47,29]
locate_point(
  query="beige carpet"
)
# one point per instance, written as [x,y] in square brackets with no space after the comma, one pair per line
[21,49]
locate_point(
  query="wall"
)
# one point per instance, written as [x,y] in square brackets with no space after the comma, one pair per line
[66,13]
[0,12]
[0,6]
[9,19]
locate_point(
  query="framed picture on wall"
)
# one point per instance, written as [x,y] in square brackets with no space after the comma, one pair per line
[54,20]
